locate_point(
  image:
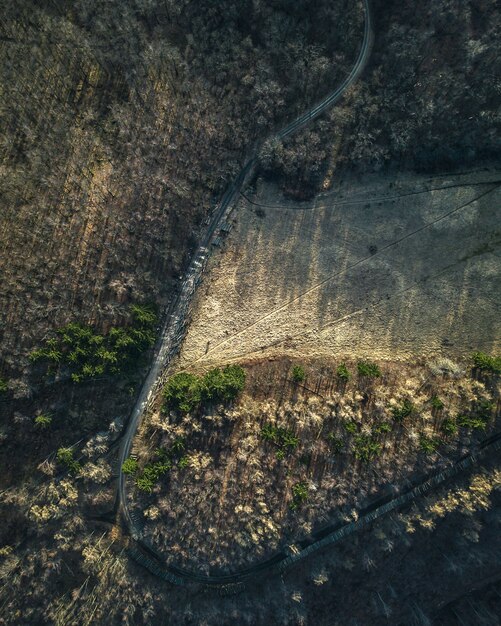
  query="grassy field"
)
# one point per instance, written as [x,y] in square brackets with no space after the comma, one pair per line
[387,267]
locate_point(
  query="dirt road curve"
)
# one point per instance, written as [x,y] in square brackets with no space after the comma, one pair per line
[175,322]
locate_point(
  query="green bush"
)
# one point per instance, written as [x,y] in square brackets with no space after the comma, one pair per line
[479,418]
[336,444]
[88,355]
[449,427]
[152,472]
[183,392]
[43,421]
[486,362]
[343,373]
[383,427]
[130,466]
[144,484]
[399,413]
[65,457]
[428,444]
[298,374]
[299,494]
[283,438]
[368,369]
[436,403]
[223,385]
[3,386]
[351,427]
[366,448]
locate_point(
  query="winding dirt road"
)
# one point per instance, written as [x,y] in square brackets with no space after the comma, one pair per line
[175,323]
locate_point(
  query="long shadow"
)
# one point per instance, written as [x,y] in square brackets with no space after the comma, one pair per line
[329,534]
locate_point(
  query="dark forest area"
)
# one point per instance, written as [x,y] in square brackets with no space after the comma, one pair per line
[121,125]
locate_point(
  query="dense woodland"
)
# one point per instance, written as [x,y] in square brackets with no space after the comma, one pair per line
[122,123]
[429,100]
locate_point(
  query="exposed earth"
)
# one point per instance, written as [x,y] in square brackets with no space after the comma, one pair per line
[384,267]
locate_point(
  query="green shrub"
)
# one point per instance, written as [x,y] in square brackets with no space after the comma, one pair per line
[43,421]
[223,385]
[368,369]
[399,413]
[428,444]
[183,462]
[343,373]
[182,392]
[130,466]
[269,433]
[299,494]
[436,403]
[144,484]
[283,438]
[3,386]
[178,446]
[88,355]
[486,362]
[351,427]
[366,448]
[336,444]
[383,427]
[479,418]
[185,392]
[449,427]
[154,471]
[298,374]
[65,457]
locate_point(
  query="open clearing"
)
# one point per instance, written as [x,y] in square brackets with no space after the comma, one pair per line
[381,267]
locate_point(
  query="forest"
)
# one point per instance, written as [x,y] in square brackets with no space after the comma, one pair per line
[121,125]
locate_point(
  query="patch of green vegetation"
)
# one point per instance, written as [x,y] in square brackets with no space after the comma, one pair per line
[436,403]
[449,427]
[428,444]
[223,385]
[336,444]
[185,392]
[182,392]
[43,421]
[343,373]
[65,457]
[383,427]
[399,413]
[350,427]
[3,385]
[283,438]
[486,362]
[479,418]
[298,374]
[130,466]
[368,369]
[88,355]
[152,472]
[299,494]
[366,448]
